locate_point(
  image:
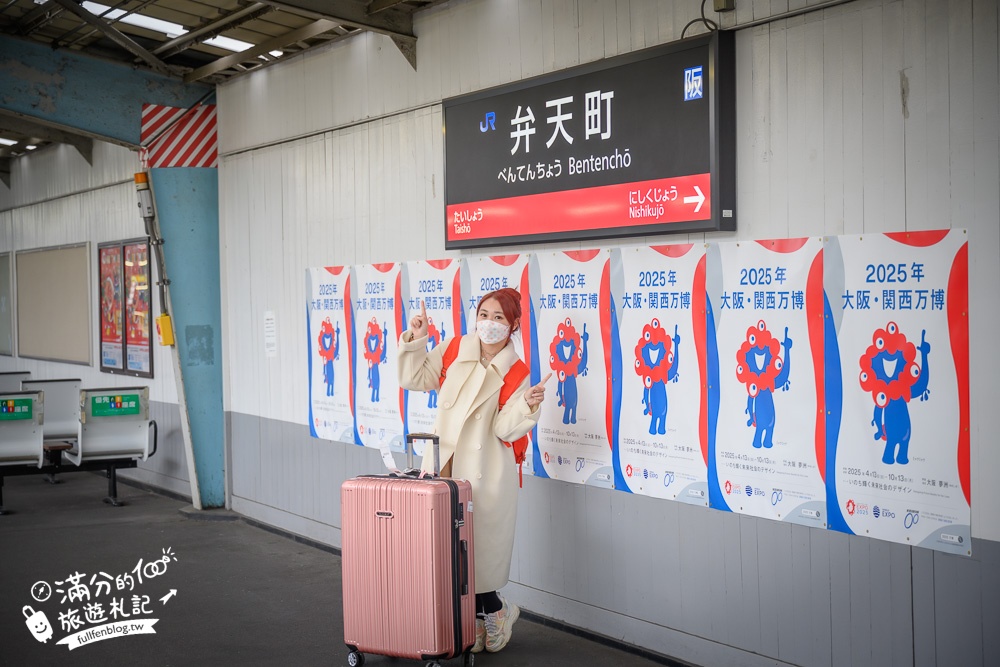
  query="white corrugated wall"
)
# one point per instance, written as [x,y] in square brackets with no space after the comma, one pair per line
[871,116]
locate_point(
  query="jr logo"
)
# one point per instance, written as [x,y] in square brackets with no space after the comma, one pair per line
[489,123]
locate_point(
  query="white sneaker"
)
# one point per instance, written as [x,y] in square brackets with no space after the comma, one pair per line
[499,626]
[480,635]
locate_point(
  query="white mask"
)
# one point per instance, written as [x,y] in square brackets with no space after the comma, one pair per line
[491,332]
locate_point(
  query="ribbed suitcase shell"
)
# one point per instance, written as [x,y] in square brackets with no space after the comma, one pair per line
[400,568]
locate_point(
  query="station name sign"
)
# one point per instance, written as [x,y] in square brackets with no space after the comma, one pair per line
[635,145]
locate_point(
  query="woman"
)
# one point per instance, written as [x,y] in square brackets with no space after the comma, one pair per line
[472,429]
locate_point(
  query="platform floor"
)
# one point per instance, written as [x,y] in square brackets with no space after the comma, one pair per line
[244,595]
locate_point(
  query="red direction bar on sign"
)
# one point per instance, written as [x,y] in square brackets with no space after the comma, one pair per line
[656,202]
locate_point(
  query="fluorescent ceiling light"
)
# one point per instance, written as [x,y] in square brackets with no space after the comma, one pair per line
[229,43]
[31,148]
[8,142]
[277,54]
[139,20]
[169,29]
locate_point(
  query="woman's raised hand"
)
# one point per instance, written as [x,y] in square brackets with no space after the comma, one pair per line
[535,395]
[418,324]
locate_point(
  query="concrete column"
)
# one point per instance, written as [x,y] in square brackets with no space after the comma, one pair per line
[187,208]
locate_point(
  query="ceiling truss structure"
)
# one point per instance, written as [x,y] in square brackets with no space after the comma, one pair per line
[191,40]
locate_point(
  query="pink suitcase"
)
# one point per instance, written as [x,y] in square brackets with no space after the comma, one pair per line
[408,569]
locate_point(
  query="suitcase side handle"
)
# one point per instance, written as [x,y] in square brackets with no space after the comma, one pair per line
[412,438]
[465,567]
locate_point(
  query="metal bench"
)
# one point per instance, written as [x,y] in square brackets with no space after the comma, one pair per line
[113,431]
[11,380]
[21,416]
[62,407]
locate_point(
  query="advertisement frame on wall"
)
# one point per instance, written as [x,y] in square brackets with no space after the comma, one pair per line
[117,305]
[7,304]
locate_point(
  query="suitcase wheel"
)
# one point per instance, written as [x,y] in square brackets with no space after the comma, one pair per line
[355,658]
[470,658]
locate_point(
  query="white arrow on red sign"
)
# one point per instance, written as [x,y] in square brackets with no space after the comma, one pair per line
[698,198]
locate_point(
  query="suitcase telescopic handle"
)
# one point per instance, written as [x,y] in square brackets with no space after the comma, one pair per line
[412,438]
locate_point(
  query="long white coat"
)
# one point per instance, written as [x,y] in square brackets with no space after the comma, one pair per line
[471,429]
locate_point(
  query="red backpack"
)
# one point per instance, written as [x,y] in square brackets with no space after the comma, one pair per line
[511,381]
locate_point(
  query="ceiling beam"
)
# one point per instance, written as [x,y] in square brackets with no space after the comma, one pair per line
[8,117]
[213,29]
[408,47]
[376,6]
[37,18]
[394,23]
[273,44]
[116,36]
[134,10]
[30,128]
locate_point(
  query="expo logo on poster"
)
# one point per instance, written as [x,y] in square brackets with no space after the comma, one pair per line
[861,509]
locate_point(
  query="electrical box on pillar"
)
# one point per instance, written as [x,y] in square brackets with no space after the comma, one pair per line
[164,327]
[165,330]
[145,196]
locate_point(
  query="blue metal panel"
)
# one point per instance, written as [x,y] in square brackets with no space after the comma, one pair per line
[187,203]
[75,91]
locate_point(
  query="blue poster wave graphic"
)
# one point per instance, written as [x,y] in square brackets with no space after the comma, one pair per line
[354,375]
[401,326]
[309,366]
[834,408]
[716,498]
[536,376]
[616,401]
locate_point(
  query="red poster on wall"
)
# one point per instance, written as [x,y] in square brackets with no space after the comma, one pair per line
[110,261]
[137,308]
